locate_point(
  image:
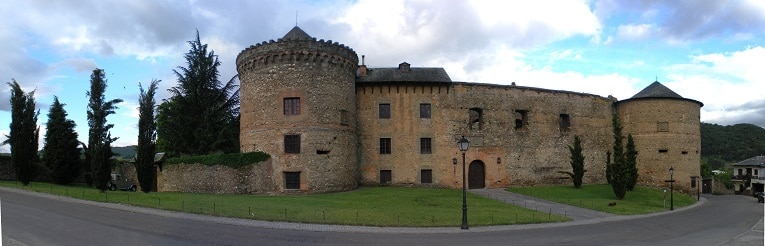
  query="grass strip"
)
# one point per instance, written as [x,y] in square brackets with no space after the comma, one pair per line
[599,197]
[372,206]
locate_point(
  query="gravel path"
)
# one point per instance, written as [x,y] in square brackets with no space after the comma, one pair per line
[575,213]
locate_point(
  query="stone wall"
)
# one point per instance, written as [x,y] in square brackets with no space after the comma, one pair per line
[198,178]
[532,154]
[667,133]
[519,135]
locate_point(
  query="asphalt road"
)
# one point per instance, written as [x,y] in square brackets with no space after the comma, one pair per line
[34,219]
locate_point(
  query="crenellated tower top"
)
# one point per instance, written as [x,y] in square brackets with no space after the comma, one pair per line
[297,47]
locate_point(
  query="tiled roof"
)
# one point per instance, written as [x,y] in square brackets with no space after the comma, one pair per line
[297,34]
[404,73]
[655,90]
[658,91]
[754,161]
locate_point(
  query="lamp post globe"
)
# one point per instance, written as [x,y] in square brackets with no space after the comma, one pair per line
[463,144]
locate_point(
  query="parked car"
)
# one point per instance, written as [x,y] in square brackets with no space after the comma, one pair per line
[121,183]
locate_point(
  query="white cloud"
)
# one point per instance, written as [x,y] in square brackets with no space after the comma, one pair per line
[634,32]
[729,84]
[5,148]
[389,32]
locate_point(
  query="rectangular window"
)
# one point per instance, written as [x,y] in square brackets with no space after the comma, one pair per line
[385,146]
[521,119]
[292,144]
[425,110]
[663,151]
[475,116]
[292,180]
[662,126]
[385,177]
[426,176]
[292,106]
[344,117]
[425,146]
[384,111]
[565,123]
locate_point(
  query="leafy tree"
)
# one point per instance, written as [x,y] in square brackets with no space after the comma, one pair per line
[577,163]
[706,169]
[61,154]
[202,115]
[616,171]
[727,144]
[609,172]
[99,151]
[24,133]
[147,132]
[630,161]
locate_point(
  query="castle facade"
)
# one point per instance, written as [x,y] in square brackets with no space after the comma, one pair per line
[331,124]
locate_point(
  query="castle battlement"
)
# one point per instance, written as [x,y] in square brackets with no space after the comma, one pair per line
[297,49]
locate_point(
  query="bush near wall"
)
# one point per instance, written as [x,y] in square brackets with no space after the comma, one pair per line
[234,160]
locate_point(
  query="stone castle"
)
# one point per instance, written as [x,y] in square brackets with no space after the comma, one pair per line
[331,124]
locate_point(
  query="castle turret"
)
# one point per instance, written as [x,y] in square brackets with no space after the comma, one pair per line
[298,104]
[667,133]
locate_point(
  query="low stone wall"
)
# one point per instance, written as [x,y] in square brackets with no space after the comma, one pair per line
[198,178]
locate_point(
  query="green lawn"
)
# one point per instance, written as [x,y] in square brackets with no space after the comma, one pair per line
[640,201]
[374,206]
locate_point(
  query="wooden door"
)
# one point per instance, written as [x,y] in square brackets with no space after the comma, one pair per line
[476,175]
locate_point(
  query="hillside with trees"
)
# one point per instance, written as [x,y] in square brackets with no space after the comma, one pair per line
[730,144]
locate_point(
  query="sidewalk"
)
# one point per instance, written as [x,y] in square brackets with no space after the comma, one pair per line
[575,213]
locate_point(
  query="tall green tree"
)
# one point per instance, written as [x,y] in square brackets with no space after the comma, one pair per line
[616,171]
[202,115]
[99,151]
[630,162]
[730,144]
[61,154]
[147,133]
[577,162]
[24,133]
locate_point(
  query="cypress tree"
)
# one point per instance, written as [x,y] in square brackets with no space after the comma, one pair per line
[147,132]
[617,171]
[61,155]
[24,133]
[99,151]
[577,162]
[630,159]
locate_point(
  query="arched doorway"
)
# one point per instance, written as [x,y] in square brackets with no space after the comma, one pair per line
[476,175]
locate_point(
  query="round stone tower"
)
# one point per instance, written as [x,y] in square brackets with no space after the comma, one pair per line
[298,104]
[667,133]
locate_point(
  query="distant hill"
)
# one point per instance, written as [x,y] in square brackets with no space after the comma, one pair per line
[729,144]
[126,152]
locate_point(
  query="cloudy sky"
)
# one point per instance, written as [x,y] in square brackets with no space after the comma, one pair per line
[711,51]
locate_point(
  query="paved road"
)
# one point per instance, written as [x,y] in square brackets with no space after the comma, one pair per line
[37,219]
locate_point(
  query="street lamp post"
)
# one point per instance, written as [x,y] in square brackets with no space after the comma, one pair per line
[671,189]
[463,145]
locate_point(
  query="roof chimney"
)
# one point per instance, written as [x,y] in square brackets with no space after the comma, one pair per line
[404,66]
[363,68]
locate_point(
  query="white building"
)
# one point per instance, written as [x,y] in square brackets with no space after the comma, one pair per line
[748,176]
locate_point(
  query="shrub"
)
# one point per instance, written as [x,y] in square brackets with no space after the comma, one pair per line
[234,160]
